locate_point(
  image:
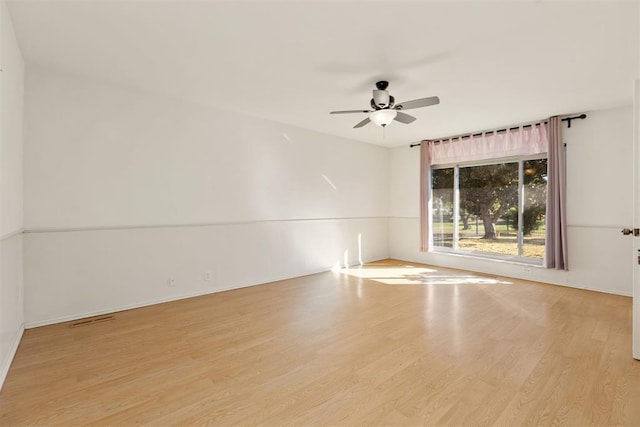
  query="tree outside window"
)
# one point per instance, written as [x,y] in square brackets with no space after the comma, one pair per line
[500,208]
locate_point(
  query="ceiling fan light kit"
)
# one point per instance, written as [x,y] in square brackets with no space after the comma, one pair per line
[383,117]
[385,110]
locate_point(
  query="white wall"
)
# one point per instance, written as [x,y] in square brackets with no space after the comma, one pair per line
[599,204]
[125,189]
[11,98]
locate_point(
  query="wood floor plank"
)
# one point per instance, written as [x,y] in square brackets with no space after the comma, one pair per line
[391,343]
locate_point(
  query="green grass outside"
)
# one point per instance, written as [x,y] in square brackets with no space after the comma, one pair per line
[506,243]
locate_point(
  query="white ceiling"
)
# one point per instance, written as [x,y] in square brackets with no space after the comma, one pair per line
[491,63]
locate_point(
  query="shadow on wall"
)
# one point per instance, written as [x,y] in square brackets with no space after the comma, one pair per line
[338,265]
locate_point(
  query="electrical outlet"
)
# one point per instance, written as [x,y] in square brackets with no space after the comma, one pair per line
[208,276]
[171,282]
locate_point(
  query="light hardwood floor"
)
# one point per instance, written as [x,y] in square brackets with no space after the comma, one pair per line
[392,343]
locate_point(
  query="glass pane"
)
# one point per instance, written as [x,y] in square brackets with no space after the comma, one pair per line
[442,186]
[488,195]
[535,204]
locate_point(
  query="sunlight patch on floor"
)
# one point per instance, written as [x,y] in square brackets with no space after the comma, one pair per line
[419,276]
[367,272]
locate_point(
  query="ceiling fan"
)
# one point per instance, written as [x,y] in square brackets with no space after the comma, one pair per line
[385,110]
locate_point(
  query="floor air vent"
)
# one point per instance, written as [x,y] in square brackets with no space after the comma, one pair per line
[91,320]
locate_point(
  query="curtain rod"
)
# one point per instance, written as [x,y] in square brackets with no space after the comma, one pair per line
[469,135]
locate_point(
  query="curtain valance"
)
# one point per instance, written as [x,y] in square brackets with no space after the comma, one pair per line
[514,142]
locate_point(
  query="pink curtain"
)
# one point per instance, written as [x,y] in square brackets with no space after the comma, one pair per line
[425,196]
[522,141]
[556,218]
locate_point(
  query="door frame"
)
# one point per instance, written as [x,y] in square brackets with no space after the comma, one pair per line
[636,220]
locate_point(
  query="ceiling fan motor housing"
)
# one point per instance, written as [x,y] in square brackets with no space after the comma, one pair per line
[381,99]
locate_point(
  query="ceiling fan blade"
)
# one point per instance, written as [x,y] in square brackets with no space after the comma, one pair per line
[417,103]
[349,111]
[363,123]
[404,118]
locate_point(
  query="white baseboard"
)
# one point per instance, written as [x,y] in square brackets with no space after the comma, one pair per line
[63,319]
[12,353]
[546,281]
[53,321]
